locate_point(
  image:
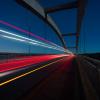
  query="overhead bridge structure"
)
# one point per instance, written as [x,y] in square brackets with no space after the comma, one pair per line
[43,13]
[35,61]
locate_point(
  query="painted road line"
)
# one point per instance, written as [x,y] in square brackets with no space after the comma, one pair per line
[27,73]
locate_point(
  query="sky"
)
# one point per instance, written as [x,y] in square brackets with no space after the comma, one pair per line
[91,27]
[15,19]
[18,16]
[90,30]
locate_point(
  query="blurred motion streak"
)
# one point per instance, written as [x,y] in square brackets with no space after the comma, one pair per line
[13,64]
[46,57]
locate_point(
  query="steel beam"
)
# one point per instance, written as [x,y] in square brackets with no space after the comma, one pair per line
[43,13]
[35,7]
[80,15]
[70,34]
[80,5]
[62,7]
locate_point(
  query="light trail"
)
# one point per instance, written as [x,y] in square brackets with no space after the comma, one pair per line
[24,31]
[33,43]
[27,32]
[13,38]
[18,39]
[38,37]
[20,36]
[27,73]
[13,64]
[28,40]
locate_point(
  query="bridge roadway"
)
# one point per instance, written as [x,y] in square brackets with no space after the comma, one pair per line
[56,77]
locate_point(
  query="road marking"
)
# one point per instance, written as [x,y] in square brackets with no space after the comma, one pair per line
[27,73]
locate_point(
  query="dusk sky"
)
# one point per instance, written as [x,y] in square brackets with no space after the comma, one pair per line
[91,27]
[90,31]
[16,15]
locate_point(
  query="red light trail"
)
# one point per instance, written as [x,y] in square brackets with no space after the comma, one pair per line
[47,57]
[24,62]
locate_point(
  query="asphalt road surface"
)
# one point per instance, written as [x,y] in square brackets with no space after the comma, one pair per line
[59,77]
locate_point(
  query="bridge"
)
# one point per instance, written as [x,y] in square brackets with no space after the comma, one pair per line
[35,61]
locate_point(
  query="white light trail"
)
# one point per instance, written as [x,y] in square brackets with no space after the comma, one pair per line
[30,41]
[13,38]
[46,45]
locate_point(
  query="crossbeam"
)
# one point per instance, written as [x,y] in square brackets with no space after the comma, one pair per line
[70,34]
[80,5]
[37,9]
[62,7]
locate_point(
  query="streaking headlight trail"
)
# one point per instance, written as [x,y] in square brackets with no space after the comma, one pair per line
[20,38]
